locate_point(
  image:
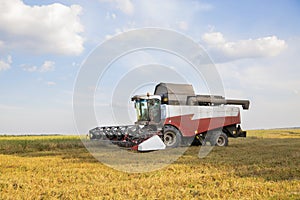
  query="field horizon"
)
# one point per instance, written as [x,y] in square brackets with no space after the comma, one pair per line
[74,134]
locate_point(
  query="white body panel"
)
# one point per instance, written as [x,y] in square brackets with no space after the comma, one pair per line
[151,144]
[199,112]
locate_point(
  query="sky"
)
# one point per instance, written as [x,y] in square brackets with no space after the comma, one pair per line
[43,44]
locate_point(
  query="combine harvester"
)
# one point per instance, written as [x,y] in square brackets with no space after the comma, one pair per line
[175,116]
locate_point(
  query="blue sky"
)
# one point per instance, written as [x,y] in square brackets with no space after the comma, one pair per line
[254,45]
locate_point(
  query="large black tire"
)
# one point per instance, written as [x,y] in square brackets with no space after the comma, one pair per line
[172,137]
[218,138]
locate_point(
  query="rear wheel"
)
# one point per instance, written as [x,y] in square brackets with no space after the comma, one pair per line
[172,137]
[220,139]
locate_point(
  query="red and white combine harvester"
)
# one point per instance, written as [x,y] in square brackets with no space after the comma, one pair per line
[175,116]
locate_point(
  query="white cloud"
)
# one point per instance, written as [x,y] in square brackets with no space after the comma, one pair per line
[29,68]
[260,47]
[5,64]
[50,83]
[214,38]
[109,16]
[53,28]
[45,67]
[108,37]
[129,26]
[114,16]
[126,6]
[183,25]
[76,64]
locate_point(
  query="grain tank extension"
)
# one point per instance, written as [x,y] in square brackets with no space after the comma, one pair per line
[174,115]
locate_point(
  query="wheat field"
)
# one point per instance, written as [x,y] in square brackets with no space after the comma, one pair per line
[265,165]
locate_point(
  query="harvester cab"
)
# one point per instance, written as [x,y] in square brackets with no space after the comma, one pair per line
[148,109]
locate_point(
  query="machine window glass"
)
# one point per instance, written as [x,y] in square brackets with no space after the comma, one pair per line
[154,110]
[148,110]
[142,110]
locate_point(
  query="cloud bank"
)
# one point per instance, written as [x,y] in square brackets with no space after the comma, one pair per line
[250,48]
[53,28]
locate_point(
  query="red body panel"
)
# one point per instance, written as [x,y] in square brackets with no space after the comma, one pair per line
[189,127]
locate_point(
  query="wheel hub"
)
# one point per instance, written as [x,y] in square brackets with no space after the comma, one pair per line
[169,139]
[221,141]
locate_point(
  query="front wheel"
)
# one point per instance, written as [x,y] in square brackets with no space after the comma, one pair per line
[172,137]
